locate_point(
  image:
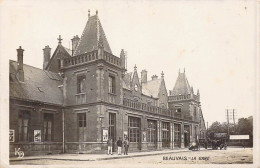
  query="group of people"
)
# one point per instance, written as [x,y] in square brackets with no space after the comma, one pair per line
[119,144]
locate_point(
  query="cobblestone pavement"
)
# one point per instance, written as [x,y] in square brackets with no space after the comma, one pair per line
[229,156]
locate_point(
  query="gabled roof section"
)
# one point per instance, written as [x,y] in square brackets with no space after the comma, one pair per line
[38,85]
[66,54]
[89,39]
[182,85]
[152,88]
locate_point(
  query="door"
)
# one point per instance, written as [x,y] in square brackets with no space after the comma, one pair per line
[186,135]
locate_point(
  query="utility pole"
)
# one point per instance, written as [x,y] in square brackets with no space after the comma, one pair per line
[207,130]
[234,117]
[228,122]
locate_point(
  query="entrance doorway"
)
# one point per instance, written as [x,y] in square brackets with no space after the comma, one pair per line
[186,135]
[177,135]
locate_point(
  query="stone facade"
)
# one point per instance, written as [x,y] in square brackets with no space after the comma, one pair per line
[99,96]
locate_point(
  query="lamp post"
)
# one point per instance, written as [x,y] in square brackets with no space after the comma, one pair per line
[101,126]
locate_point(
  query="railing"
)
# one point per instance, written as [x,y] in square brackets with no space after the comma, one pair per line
[112,59]
[153,109]
[89,57]
[83,58]
[179,97]
[81,98]
[182,97]
[111,98]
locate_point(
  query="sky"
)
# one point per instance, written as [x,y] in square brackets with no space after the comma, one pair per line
[213,40]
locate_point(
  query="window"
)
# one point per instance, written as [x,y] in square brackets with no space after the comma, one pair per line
[23,125]
[134,126]
[163,106]
[112,126]
[111,84]
[165,134]
[59,63]
[47,126]
[151,131]
[82,125]
[81,84]
[178,109]
[195,111]
[177,133]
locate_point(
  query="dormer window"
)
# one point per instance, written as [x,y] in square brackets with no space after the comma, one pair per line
[136,87]
[59,63]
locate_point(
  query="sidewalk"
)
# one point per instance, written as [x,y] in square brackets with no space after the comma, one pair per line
[95,157]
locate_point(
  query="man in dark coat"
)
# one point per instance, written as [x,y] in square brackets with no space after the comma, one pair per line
[119,144]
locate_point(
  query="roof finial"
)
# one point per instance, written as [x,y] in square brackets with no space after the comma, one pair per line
[179,71]
[184,70]
[96,12]
[135,67]
[162,74]
[89,13]
[59,39]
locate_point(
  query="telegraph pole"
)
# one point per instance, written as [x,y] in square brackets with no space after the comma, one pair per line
[228,122]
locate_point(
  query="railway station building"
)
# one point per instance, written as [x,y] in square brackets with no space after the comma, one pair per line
[85,95]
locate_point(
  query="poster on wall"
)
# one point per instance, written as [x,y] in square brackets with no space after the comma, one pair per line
[105,134]
[37,135]
[125,134]
[11,135]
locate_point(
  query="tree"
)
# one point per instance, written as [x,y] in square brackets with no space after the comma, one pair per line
[243,127]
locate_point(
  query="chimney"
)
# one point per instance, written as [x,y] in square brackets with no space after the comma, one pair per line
[198,95]
[46,56]
[122,57]
[154,77]
[20,72]
[75,41]
[144,76]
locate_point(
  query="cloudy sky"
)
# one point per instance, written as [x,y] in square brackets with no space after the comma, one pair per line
[213,40]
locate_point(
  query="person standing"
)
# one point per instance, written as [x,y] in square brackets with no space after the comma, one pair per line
[126,146]
[119,146]
[109,146]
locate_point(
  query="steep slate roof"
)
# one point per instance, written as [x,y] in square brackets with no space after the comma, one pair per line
[149,88]
[90,37]
[127,80]
[38,85]
[69,51]
[152,88]
[182,85]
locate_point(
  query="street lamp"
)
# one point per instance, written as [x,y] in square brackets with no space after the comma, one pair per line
[101,125]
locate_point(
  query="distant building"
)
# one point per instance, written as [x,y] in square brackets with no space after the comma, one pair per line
[85,95]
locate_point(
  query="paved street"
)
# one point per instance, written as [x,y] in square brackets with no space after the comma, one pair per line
[229,156]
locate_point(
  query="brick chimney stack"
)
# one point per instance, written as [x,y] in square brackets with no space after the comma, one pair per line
[75,41]
[154,77]
[20,72]
[46,56]
[123,58]
[144,76]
